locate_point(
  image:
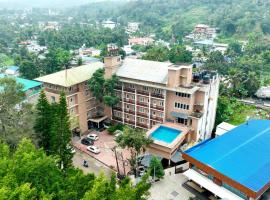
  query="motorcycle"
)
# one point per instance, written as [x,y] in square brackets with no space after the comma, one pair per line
[85,163]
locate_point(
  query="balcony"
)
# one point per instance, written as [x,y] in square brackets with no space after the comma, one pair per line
[129,89]
[117,118]
[142,114]
[141,125]
[156,118]
[146,93]
[142,104]
[196,114]
[157,95]
[129,101]
[118,87]
[130,111]
[118,108]
[161,108]
[198,108]
[129,121]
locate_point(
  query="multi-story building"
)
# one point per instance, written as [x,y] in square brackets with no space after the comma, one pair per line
[153,93]
[83,108]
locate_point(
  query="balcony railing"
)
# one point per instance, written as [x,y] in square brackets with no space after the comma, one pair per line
[130,111]
[143,92]
[117,118]
[118,108]
[161,96]
[118,87]
[129,121]
[161,108]
[142,125]
[142,114]
[156,118]
[129,89]
[142,104]
[129,100]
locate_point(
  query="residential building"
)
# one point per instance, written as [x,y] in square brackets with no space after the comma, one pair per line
[140,41]
[153,93]
[132,27]
[89,52]
[109,24]
[12,71]
[30,87]
[234,165]
[83,108]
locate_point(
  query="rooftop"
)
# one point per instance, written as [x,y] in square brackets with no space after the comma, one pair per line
[73,76]
[27,84]
[241,154]
[13,68]
[144,70]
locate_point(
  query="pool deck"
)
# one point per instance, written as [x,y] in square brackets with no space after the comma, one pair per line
[166,149]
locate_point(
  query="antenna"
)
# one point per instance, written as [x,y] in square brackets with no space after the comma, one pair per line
[247,119]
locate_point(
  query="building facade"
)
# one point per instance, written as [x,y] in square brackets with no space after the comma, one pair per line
[82,105]
[153,93]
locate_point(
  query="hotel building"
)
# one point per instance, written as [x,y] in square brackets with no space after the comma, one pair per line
[82,106]
[153,93]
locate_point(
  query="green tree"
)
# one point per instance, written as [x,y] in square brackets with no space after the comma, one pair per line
[96,84]
[179,54]
[136,141]
[156,53]
[156,169]
[43,121]
[79,61]
[29,70]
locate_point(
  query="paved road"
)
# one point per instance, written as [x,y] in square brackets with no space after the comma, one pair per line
[95,166]
[170,187]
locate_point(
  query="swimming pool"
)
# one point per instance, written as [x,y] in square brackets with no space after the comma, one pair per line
[165,134]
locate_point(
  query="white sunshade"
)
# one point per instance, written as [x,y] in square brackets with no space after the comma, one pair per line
[209,185]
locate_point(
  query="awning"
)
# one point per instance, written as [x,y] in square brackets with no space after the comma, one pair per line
[209,185]
[98,120]
[177,157]
[180,115]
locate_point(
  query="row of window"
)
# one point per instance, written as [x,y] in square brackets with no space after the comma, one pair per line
[182,120]
[180,94]
[181,106]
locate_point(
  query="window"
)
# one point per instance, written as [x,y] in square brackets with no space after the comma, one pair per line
[181,106]
[145,88]
[181,120]
[127,96]
[127,106]
[132,86]
[158,91]
[141,99]
[132,97]
[71,99]
[180,94]
[161,103]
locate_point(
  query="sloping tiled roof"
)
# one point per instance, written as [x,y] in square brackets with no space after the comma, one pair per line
[144,70]
[73,76]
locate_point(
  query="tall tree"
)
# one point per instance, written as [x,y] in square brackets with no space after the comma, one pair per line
[179,54]
[43,121]
[156,169]
[61,133]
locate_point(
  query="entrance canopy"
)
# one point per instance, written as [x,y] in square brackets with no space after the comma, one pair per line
[98,119]
[209,185]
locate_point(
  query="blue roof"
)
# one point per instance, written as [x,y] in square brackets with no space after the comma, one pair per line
[242,154]
[14,68]
[28,84]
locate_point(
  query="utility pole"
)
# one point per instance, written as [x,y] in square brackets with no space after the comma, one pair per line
[114,150]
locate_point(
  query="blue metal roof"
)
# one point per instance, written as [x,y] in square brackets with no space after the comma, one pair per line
[27,84]
[14,68]
[242,154]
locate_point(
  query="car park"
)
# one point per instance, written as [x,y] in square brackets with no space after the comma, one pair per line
[87,141]
[93,136]
[93,149]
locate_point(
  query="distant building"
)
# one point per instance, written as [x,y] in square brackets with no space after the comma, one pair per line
[223,127]
[132,27]
[82,105]
[30,87]
[89,52]
[128,50]
[235,165]
[12,71]
[108,24]
[204,31]
[141,41]
[263,93]
[211,45]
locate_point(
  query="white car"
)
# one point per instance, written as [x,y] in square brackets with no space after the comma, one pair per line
[93,149]
[93,136]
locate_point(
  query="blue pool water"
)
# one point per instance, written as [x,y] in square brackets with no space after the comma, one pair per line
[165,134]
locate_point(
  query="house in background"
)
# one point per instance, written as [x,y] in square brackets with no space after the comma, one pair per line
[30,87]
[145,41]
[12,71]
[108,24]
[132,27]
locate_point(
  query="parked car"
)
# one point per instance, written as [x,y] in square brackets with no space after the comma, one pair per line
[87,141]
[93,149]
[93,136]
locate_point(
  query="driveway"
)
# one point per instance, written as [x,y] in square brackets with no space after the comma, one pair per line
[170,187]
[107,156]
[95,166]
